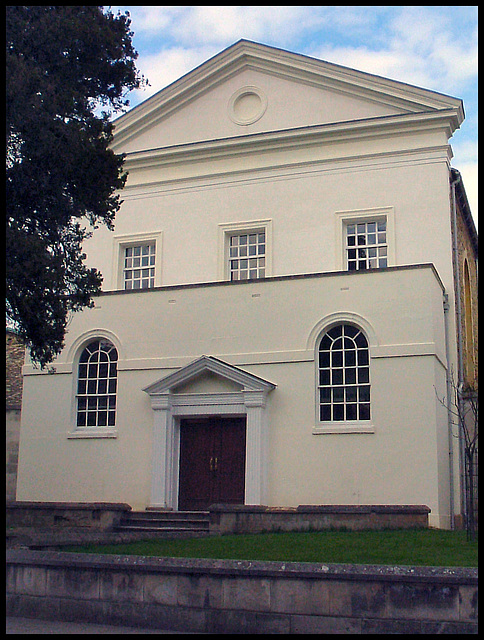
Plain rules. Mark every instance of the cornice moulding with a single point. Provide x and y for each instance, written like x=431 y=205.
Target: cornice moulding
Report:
x=445 y=120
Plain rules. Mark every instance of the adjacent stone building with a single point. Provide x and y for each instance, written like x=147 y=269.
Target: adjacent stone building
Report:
x=15 y=355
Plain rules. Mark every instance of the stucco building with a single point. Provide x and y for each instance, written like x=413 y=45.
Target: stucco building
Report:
x=278 y=317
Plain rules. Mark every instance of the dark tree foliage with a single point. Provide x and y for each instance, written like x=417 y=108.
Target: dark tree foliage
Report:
x=68 y=70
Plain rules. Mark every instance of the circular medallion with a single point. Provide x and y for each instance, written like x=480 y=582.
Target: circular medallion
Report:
x=247 y=105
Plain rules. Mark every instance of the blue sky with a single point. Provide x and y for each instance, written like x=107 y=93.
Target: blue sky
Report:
x=434 y=47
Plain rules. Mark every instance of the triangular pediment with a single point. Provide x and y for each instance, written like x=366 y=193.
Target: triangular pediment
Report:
x=251 y=88
x=206 y=368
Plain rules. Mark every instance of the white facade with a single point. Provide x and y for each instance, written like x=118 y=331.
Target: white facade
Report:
x=261 y=141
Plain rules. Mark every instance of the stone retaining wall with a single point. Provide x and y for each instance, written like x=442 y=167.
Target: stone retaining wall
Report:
x=227 y=596
x=94 y=516
x=254 y=518
x=224 y=519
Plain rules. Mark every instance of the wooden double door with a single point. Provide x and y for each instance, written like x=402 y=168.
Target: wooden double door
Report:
x=212 y=462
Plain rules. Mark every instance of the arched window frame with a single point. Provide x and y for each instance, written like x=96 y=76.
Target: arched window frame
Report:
x=349 y=421
x=95 y=389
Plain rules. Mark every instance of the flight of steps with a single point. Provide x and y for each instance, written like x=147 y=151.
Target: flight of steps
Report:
x=166 y=523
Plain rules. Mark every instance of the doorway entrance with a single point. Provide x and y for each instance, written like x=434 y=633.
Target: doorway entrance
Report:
x=212 y=462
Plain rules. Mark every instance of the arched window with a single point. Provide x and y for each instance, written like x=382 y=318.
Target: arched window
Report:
x=96 y=385
x=344 y=375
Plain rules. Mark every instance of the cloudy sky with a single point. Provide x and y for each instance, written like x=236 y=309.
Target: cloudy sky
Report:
x=434 y=47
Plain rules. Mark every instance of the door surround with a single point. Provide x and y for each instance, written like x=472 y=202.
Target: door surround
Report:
x=248 y=399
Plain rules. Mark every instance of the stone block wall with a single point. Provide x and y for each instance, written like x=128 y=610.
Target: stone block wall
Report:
x=15 y=355
x=225 y=519
x=58 y=516
x=228 y=596
x=468 y=276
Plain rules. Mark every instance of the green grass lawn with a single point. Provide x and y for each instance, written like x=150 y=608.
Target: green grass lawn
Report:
x=429 y=547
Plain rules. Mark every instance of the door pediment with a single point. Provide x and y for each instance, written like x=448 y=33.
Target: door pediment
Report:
x=208 y=374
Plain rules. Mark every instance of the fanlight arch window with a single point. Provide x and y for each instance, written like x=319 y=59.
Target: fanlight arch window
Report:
x=344 y=375
x=97 y=385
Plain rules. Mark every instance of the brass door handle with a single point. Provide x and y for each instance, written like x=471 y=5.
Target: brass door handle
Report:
x=213 y=464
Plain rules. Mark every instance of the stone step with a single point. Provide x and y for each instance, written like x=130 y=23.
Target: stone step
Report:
x=161 y=524
x=172 y=522
x=129 y=527
x=170 y=515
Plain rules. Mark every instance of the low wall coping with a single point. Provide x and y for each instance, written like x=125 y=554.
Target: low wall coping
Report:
x=107 y=506
x=325 y=508
x=245 y=568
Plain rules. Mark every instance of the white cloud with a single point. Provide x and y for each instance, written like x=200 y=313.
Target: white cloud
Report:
x=152 y=20
x=431 y=46
x=387 y=63
x=183 y=37
x=420 y=47
x=201 y=25
x=169 y=65
x=222 y=24
x=448 y=58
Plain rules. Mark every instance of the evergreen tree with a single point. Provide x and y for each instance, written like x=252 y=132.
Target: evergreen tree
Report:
x=68 y=70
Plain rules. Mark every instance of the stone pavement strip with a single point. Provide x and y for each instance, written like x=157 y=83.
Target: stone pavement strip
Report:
x=31 y=625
